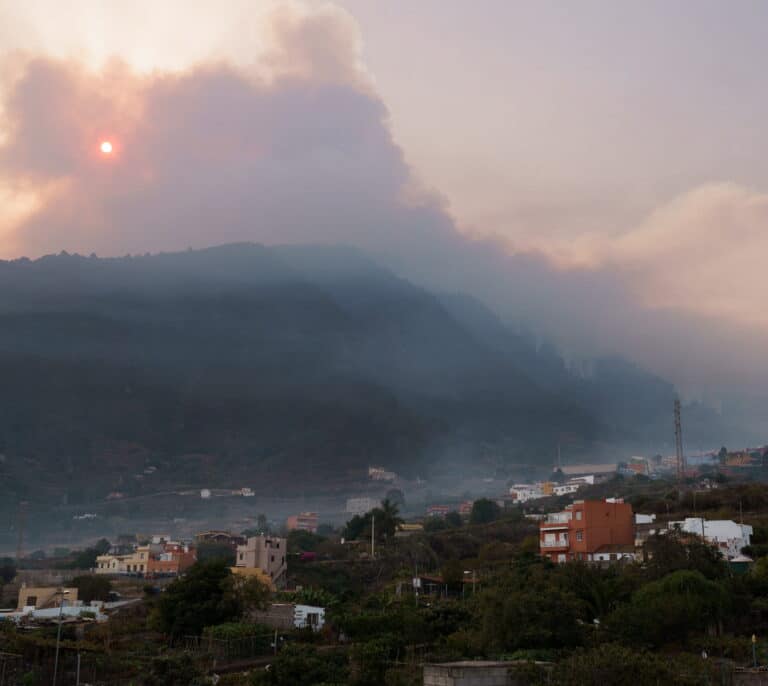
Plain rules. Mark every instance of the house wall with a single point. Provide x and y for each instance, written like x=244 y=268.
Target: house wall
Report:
x=466 y=675
x=308 y=616
x=277 y=616
x=601 y=523
x=137 y=562
x=585 y=527
x=44 y=596
x=267 y=553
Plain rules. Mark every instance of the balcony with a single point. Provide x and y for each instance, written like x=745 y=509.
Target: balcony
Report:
x=559 y=517
x=557 y=543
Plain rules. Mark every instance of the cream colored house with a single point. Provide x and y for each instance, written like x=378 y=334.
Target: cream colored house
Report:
x=266 y=553
x=41 y=597
x=136 y=562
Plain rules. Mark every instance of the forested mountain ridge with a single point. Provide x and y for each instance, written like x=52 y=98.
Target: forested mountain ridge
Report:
x=278 y=358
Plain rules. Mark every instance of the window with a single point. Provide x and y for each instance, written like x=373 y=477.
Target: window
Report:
x=578 y=514
x=32 y=600
x=241 y=556
x=579 y=535
x=273 y=558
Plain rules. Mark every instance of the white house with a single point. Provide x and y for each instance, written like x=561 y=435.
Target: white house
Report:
x=523 y=492
x=308 y=616
x=565 y=489
x=644 y=518
x=728 y=536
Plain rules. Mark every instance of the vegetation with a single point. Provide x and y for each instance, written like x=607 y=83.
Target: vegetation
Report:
x=92 y=587
x=381 y=521
x=207 y=595
x=86 y=559
x=680 y=615
x=484 y=511
x=216 y=551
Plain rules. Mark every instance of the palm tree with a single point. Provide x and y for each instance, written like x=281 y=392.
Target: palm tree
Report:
x=387 y=518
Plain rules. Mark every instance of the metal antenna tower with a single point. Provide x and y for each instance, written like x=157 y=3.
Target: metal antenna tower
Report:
x=21 y=523
x=681 y=466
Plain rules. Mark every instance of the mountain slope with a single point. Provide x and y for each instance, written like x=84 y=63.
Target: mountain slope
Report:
x=269 y=361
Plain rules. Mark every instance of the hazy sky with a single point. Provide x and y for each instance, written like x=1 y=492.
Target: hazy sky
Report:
x=613 y=155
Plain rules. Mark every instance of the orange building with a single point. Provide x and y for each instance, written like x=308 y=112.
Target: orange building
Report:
x=582 y=529
x=175 y=559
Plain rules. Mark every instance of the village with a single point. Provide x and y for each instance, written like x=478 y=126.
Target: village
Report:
x=612 y=518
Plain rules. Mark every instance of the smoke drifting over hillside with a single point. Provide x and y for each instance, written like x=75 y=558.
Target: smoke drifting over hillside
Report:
x=296 y=147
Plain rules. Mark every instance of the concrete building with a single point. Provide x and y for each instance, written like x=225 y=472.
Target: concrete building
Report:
x=162 y=559
x=216 y=536
x=579 y=531
x=45 y=597
x=304 y=521
x=359 y=506
x=465 y=508
x=615 y=552
x=109 y=564
x=287 y=616
x=266 y=553
x=727 y=536
x=566 y=488
x=522 y=493
x=133 y=563
x=475 y=673
x=408 y=529
x=596 y=470
x=380 y=474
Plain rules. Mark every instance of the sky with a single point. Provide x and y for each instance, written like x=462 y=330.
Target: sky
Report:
x=596 y=171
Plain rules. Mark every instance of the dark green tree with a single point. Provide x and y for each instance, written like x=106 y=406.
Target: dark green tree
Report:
x=208 y=594
x=453 y=519
x=174 y=670
x=614 y=665
x=303 y=665
x=7 y=570
x=671 y=552
x=92 y=587
x=86 y=559
x=216 y=551
x=484 y=511
x=722 y=455
x=453 y=574
x=529 y=618
x=677 y=605
x=384 y=519
x=303 y=541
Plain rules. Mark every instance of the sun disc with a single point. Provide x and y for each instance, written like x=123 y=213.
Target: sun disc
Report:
x=106 y=147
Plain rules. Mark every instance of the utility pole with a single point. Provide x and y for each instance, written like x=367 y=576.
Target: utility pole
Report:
x=373 y=535
x=61 y=593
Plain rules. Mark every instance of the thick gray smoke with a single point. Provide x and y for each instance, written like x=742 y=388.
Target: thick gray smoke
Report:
x=304 y=153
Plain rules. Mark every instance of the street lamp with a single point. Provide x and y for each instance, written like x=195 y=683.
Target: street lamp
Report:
x=62 y=592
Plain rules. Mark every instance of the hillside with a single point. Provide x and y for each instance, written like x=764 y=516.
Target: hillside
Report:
x=264 y=361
